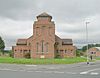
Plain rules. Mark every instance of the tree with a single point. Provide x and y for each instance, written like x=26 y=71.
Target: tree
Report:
x=79 y=52
x=84 y=48
x=2 y=45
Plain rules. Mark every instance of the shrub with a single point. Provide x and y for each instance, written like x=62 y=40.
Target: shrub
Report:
x=27 y=55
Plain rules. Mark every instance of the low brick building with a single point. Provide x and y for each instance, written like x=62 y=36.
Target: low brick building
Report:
x=44 y=43
x=94 y=51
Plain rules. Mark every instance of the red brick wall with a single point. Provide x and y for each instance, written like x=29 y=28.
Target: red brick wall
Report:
x=43 y=31
x=95 y=51
x=19 y=51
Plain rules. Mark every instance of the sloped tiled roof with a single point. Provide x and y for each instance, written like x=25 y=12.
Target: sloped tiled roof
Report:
x=22 y=41
x=67 y=41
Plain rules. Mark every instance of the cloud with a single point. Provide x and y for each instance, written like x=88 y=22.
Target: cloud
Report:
x=11 y=30
x=69 y=10
x=17 y=9
x=17 y=17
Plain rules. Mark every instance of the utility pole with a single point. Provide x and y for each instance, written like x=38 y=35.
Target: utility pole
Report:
x=87 y=41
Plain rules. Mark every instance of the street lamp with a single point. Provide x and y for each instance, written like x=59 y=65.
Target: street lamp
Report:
x=87 y=41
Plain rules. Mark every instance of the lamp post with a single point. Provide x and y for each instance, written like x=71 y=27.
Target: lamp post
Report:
x=87 y=41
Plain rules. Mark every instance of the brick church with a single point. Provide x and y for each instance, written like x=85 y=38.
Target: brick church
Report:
x=44 y=43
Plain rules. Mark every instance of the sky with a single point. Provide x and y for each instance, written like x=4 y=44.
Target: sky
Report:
x=70 y=17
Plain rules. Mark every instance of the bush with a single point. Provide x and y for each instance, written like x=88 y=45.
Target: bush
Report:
x=27 y=55
x=79 y=53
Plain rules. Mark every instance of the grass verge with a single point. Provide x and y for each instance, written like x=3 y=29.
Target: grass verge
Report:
x=42 y=61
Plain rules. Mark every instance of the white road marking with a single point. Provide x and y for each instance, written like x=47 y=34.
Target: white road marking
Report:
x=83 y=72
x=59 y=72
x=86 y=72
x=94 y=73
x=56 y=72
x=8 y=70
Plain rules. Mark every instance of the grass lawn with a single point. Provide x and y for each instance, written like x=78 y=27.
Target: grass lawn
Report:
x=42 y=61
x=97 y=58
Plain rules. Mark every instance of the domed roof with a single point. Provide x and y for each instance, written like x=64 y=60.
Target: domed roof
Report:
x=44 y=14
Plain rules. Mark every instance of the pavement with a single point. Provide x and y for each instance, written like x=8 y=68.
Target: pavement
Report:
x=79 y=70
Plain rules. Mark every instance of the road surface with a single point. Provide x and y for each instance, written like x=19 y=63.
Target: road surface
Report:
x=80 y=70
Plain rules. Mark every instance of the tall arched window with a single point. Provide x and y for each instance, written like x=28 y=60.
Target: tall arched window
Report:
x=37 y=47
x=47 y=47
x=42 y=46
x=37 y=31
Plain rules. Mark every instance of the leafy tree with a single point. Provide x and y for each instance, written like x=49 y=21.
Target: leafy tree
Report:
x=97 y=45
x=2 y=45
x=79 y=52
x=84 y=48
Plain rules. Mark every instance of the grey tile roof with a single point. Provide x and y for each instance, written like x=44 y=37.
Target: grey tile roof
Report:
x=64 y=41
x=22 y=41
x=67 y=41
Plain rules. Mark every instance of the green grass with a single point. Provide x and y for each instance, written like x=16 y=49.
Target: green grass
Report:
x=97 y=58
x=42 y=61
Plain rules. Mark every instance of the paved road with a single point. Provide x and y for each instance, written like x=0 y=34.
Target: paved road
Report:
x=80 y=70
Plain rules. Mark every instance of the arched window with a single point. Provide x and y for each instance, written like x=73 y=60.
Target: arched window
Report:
x=42 y=46
x=46 y=47
x=37 y=47
x=37 y=31
x=65 y=51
